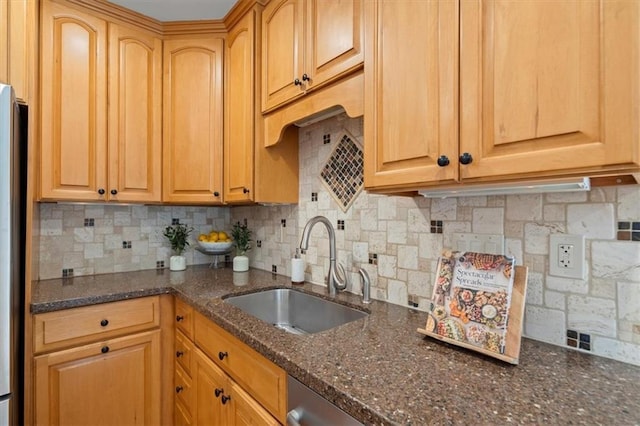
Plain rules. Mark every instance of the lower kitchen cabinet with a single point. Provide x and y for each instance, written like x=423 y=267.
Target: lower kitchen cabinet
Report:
x=101 y=364
x=229 y=383
x=102 y=383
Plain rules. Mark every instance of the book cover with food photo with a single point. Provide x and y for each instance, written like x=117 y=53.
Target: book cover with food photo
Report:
x=471 y=298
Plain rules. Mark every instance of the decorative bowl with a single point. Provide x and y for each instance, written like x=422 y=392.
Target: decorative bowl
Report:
x=215 y=247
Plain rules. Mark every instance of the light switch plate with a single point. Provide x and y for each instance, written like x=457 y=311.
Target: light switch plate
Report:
x=480 y=243
x=566 y=256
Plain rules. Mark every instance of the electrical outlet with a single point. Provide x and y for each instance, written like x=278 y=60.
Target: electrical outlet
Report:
x=566 y=256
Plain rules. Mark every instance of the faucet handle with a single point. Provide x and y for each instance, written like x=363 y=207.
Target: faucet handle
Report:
x=342 y=279
x=366 y=286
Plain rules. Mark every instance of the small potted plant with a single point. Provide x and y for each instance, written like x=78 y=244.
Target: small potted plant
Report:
x=178 y=235
x=242 y=240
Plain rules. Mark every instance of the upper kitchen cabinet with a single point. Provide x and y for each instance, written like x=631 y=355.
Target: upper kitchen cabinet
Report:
x=73 y=85
x=252 y=173
x=18 y=46
x=306 y=44
x=81 y=57
x=135 y=115
x=411 y=92
x=546 y=89
x=192 y=111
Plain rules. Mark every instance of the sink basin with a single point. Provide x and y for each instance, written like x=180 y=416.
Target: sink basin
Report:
x=294 y=311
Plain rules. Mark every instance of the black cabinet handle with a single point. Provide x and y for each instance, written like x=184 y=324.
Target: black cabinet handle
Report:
x=245 y=190
x=104 y=349
x=114 y=191
x=178 y=389
x=101 y=191
x=443 y=161
x=225 y=399
x=104 y=322
x=466 y=158
x=216 y=194
x=305 y=77
x=179 y=354
x=218 y=392
x=179 y=318
x=297 y=82
x=222 y=355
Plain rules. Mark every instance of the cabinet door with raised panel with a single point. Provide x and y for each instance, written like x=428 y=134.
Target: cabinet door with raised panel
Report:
x=410 y=93
x=212 y=387
x=245 y=411
x=73 y=106
x=135 y=115
x=192 y=128
x=106 y=383
x=548 y=87
x=240 y=103
x=334 y=40
x=282 y=52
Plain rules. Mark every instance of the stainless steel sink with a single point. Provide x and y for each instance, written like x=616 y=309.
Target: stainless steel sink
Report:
x=294 y=311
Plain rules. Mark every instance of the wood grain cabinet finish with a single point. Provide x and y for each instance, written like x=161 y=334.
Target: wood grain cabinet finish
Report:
x=306 y=44
x=99 y=364
x=81 y=158
x=18 y=21
x=544 y=88
x=192 y=111
x=252 y=172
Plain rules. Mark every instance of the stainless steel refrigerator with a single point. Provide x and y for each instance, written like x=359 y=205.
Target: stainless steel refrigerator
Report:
x=13 y=157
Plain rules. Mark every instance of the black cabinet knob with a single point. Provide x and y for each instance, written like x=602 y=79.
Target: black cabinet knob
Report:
x=216 y=194
x=305 y=77
x=466 y=158
x=178 y=389
x=443 y=160
x=114 y=191
x=222 y=355
x=218 y=392
x=101 y=191
x=104 y=322
x=179 y=318
x=104 y=349
x=245 y=190
x=179 y=354
x=297 y=82
x=225 y=399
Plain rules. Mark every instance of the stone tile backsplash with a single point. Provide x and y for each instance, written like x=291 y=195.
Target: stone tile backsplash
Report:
x=397 y=240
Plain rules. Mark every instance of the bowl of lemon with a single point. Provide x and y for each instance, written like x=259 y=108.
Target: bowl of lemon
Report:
x=215 y=242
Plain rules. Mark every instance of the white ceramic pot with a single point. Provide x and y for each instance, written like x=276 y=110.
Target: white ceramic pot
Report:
x=240 y=263
x=178 y=263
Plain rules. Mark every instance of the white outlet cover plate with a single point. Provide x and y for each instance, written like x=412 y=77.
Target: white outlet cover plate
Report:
x=577 y=270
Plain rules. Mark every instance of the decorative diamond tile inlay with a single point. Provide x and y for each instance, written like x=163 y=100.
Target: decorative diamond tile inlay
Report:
x=343 y=174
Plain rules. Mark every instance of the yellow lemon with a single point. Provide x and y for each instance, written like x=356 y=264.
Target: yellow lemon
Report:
x=203 y=237
x=213 y=237
x=222 y=236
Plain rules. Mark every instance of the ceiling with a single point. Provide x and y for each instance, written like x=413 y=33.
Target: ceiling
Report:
x=179 y=10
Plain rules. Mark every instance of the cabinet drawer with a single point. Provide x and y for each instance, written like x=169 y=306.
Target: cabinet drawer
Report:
x=184 y=318
x=262 y=379
x=183 y=389
x=60 y=329
x=184 y=352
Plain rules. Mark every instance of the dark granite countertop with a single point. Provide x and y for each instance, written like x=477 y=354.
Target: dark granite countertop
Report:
x=379 y=369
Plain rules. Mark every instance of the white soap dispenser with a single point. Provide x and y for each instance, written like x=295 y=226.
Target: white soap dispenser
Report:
x=297 y=269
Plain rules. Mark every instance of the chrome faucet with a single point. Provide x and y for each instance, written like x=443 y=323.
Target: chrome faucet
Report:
x=338 y=279
x=366 y=286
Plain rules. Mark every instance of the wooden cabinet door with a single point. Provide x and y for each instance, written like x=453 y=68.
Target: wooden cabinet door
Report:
x=73 y=113
x=18 y=22
x=192 y=128
x=212 y=385
x=107 y=383
x=282 y=51
x=548 y=87
x=240 y=103
x=245 y=411
x=411 y=92
x=135 y=115
x=334 y=39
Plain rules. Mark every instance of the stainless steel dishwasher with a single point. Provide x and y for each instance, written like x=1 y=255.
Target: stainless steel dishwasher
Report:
x=307 y=408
